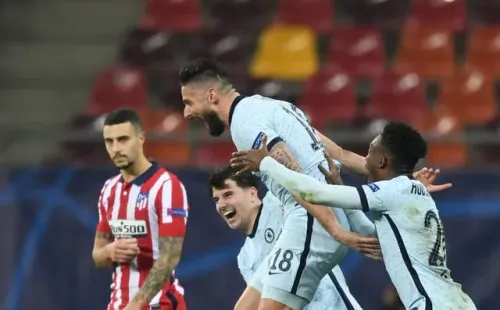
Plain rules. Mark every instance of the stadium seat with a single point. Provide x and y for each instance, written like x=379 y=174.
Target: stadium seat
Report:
x=444 y=14
x=234 y=14
x=444 y=154
x=317 y=14
x=470 y=97
x=285 y=52
x=397 y=96
x=428 y=52
x=118 y=87
x=483 y=52
x=214 y=153
x=231 y=49
x=329 y=96
x=175 y=151
x=357 y=50
x=146 y=49
x=388 y=14
x=173 y=15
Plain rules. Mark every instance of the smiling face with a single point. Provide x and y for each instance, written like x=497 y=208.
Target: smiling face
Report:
x=236 y=205
x=202 y=101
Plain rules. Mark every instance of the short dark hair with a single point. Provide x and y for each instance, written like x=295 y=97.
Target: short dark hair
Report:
x=120 y=116
x=244 y=180
x=405 y=144
x=202 y=69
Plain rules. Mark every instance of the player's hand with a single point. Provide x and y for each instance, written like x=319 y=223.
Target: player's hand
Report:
x=250 y=160
x=133 y=305
x=124 y=250
x=332 y=176
x=368 y=246
x=427 y=176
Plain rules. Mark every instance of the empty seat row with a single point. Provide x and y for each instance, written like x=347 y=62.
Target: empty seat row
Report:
x=187 y=15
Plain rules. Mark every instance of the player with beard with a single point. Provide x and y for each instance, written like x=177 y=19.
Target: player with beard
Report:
x=208 y=94
x=142 y=222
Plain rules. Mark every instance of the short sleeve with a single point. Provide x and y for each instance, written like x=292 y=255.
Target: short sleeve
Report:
x=372 y=196
x=172 y=208
x=250 y=125
x=102 y=225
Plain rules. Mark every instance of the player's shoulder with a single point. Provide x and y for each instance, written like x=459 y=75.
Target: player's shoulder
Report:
x=393 y=185
x=256 y=106
x=110 y=182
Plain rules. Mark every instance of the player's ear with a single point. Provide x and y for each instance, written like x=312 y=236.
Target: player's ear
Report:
x=213 y=96
x=382 y=162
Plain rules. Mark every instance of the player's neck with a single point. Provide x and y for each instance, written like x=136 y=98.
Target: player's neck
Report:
x=253 y=220
x=140 y=166
x=227 y=103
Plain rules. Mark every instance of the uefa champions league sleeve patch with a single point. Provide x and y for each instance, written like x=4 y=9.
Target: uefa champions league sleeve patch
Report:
x=373 y=187
x=177 y=212
x=258 y=140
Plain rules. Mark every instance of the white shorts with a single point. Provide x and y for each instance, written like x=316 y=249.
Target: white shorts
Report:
x=303 y=255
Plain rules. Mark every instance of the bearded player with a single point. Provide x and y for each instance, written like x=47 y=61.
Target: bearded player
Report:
x=142 y=222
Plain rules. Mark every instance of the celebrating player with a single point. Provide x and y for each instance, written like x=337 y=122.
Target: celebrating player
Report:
x=142 y=222
x=236 y=199
x=408 y=224
x=207 y=94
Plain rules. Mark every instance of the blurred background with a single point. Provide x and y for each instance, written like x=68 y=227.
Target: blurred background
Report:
x=350 y=65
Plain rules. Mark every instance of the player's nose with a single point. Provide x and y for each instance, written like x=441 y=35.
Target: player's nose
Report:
x=187 y=112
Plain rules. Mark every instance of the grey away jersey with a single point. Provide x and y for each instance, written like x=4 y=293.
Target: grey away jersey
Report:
x=254 y=116
x=413 y=244
x=332 y=292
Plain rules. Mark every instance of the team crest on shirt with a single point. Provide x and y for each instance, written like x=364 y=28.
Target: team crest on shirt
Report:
x=373 y=187
x=142 y=201
x=269 y=235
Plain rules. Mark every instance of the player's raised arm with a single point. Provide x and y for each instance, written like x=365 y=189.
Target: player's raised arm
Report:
x=172 y=211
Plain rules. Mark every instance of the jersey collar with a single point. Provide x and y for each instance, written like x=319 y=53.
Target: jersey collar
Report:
x=233 y=106
x=145 y=176
x=256 y=223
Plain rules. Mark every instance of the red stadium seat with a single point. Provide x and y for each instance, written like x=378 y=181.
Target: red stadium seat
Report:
x=444 y=14
x=170 y=153
x=317 y=14
x=445 y=154
x=428 y=52
x=329 y=96
x=483 y=52
x=174 y=15
x=358 y=51
x=147 y=49
x=469 y=96
x=214 y=153
x=397 y=97
x=118 y=87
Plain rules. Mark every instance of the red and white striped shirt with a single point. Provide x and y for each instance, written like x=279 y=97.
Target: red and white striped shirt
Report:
x=152 y=206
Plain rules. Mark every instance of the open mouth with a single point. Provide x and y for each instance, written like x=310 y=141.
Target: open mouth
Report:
x=229 y=214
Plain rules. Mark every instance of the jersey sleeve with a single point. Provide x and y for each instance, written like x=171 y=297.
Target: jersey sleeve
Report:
x=250 y=127
x=372 y=196
x=102 y=225
x=172 y=209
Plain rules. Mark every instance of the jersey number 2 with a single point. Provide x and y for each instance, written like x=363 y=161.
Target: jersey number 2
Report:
x=316 y=144
x=438 y=253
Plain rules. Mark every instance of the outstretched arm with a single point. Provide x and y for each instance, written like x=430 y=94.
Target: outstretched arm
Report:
x=310 y=189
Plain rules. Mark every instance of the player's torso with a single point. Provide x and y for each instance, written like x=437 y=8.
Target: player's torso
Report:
x=291 y=125
x=268 y=228
x=413 y=244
